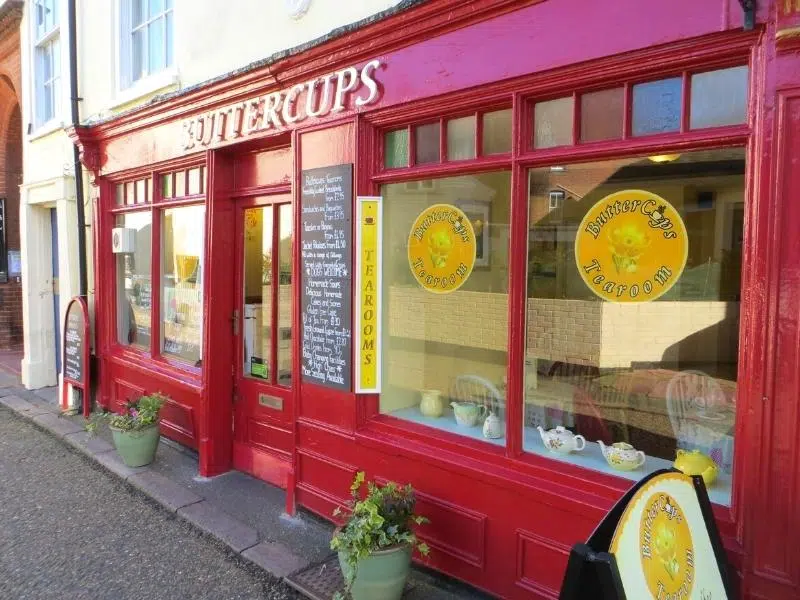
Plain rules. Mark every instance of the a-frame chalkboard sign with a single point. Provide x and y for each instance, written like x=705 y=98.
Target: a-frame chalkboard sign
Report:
x=75 y=361
x=659 y=541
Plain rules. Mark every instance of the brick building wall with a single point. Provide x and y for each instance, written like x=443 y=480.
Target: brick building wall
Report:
x=11 y=334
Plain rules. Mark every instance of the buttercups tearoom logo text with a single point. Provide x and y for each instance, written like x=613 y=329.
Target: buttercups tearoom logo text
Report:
x=631 y=246
x=441 y=248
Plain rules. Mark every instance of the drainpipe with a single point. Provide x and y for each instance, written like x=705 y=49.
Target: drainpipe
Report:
x=83 y=287
x=74 y=100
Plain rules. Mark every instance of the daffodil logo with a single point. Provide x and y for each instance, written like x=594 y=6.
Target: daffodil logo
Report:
x=441 y=248
x=631 y=246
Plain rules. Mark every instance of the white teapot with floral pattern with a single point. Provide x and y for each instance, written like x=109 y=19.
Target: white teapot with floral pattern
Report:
x=562 y=440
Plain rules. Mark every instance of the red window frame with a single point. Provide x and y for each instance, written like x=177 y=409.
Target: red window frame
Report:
x=155 y=204
x=644 y=66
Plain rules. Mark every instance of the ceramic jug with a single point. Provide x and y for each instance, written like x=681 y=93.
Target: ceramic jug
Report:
x=467 y=413
x=431 y=404
x=493 y=427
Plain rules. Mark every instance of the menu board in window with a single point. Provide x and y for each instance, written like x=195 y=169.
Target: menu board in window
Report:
x=325 y=237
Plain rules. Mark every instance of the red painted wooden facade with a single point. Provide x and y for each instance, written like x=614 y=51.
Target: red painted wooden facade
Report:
x=501 y=519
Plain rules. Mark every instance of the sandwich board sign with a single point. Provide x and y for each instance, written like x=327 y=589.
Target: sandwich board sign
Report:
x=659 y=541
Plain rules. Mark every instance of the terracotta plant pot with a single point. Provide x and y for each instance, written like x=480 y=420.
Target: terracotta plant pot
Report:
x=136 y=448
x=380 y=576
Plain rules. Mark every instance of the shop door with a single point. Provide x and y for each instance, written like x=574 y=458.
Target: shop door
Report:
x=263 y=373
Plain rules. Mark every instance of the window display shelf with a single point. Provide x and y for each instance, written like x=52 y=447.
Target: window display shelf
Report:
x=447 y=422
x=590 y=458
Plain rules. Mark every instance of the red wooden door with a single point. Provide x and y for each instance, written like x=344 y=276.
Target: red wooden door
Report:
x=263 y=369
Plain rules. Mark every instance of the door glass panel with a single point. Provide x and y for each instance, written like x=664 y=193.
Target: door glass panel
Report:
x=257 y=293
x=285 y=295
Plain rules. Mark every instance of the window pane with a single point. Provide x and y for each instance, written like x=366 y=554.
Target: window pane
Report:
x=396 y=149
x=166 y=185
x=169 y=40
x=129 y=197
x=657 y=106
x=624 y=343
x=285 y=295
x=182 y=238
x=257 y=313
x=138 y=12
x=141 y=191
x=134 y=288
x=441 y=348
x=553 y=123
x=461 y=138
x=119 y=196
x=156 y=49
x=427 y=143
x=138 y=54
x=497 y=132
x=194 y=181
x=719 y=98
x=601 y=115
x=180 y=184
x=156 y=7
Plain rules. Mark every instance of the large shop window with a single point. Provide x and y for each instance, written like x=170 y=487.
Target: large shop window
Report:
x=633 y=311
x=134 y=286
x=165 y=321
x=182 y=237
x=445 y=294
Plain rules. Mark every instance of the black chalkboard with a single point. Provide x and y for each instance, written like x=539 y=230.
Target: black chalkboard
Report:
x=326 y=250
x=74 y=344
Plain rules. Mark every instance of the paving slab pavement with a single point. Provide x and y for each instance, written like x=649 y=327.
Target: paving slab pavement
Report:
x=242 y=513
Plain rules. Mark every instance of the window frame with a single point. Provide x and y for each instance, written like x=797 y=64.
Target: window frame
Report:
x=521 y=96
x=127 y=87
x=45 y=45
x=155 y=204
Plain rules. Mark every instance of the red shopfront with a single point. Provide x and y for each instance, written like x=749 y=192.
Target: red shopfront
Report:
x=527 y=119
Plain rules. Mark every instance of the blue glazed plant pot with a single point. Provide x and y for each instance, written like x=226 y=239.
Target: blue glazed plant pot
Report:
x=380 y=576
x=136 y=448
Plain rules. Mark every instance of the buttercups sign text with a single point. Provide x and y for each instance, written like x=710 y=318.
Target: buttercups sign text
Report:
x=318 y=97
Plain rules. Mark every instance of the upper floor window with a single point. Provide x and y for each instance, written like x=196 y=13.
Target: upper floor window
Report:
x=146 y=39
x=47 y=60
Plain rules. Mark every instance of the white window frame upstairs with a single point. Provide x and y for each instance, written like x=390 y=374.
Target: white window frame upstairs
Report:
x=46 y=49
x=131 y=85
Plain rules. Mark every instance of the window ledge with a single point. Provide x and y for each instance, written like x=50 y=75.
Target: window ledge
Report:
x=145 y=87
x=46 y=129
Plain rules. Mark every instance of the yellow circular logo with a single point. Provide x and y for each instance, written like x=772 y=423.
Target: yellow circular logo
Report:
x=441 y=248
x=665 y=547
x=631 y=246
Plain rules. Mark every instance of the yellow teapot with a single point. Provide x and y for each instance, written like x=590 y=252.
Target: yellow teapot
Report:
x=697 y=463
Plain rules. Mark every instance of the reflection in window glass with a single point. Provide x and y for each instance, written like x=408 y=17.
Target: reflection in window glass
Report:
x=285 y=294
x=443 y=348
x=427 y=143
x=258 y=278
x=396 y=148
x=657 y=106
x=134 y=287
x=602 y=115
x=497 y=132
x=719 y=98
x=553 y=123
x=182 y=238
x=659 y=375
x=461 y=138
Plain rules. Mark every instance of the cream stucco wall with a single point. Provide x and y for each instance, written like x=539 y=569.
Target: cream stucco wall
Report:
x=212 y=38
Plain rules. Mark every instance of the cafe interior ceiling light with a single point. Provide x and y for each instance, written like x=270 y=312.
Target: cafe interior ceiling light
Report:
x=664 y=158
x=557 y=169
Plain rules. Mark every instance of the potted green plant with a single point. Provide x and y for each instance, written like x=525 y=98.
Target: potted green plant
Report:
x=135 y=430
x=377 y=539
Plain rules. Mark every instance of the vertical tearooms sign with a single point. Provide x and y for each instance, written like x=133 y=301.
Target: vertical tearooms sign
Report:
x=369 y=220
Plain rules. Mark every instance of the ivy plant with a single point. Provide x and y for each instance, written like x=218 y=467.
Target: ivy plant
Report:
x=383 y=519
